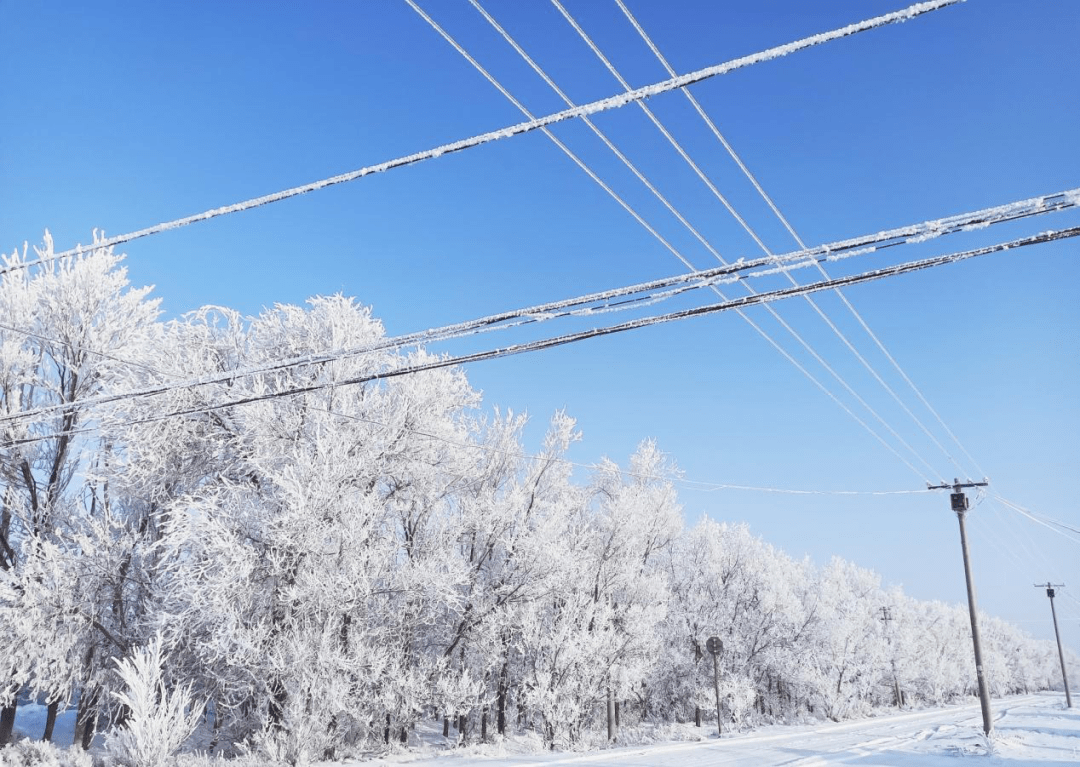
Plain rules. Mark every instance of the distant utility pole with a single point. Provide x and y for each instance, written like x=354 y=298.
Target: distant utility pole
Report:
x=1061 y=656
x=715 y=646
x=959 y=504
x=886 y=617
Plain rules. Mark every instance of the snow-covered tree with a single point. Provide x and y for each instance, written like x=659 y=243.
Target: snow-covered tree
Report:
x=75 y=325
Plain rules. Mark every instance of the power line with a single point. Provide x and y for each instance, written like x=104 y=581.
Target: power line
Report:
x=612 y=102
x=588 y=305
x=787 y=225
x=761 y=244
x=552 y=310
x=1042 y=516
x=834 y=251
x=547 y=343
x=843 y=249
x=1009 y=543
x=682 y=482
x=460 y=49
x=1025 y=512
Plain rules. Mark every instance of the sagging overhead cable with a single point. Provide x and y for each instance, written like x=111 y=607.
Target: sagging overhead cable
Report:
x=547 y=343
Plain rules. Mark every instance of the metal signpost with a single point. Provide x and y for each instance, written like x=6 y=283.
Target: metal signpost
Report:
x=715 y=646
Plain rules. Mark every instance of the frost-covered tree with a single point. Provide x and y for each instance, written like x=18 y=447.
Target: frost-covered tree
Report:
x=305 y=564
x=74 y=324
x=845 y=654
x=730 y=584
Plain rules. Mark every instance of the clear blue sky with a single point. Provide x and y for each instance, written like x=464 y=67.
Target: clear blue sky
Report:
x=120 y=115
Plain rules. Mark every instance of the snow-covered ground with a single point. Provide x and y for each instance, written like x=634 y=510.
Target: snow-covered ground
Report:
x=1028 y=730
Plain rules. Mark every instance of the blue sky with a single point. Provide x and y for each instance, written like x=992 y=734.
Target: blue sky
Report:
x=121 y=115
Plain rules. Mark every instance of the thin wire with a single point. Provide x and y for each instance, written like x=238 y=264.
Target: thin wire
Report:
x=1033 y=562
x=600 y=105
x=787 y=225
x=1027 y=546
x=450 y=361
x=1044 y=517
x=749 y=230
x=1035 y=519
x=682 y=219
x=994 y=538
x=73 y=347
x=997 y=539
x=685 y=484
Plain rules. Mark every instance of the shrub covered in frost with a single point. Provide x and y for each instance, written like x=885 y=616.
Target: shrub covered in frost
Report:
x=159 y=720
x=30 y=753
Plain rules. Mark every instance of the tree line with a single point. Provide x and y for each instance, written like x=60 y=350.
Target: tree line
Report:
x=323 y=570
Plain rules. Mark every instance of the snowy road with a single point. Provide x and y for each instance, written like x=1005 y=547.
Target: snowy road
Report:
x=1034 y=730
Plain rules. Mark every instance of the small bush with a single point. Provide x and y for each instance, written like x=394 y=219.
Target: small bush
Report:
x=159 y=721
x=31 y=753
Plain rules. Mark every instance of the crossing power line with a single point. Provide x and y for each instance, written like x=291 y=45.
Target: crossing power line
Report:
x=532 y=346
x=711 y=186
x=600 y=105
x=799 y=241
x=740 y=270
x=799 y=338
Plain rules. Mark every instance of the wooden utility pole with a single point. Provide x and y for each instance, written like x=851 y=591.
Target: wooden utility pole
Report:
x=1061 y=656
x=959 y=504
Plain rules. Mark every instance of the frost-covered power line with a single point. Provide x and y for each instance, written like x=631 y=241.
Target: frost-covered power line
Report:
x=600 y=105
x=680 y=217
x=852 y=247
x=711 y=186
x=1039 y=519
x=795 y=235
x=547 y=343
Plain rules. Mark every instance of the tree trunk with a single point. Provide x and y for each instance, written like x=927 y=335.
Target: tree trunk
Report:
x=278 y=697
x=483 y=725
x=500 y=696
x=697 y=716
x=610 y=716
x=85 y=719
x=50 y=720
x=7 y=723
x=446 y=726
